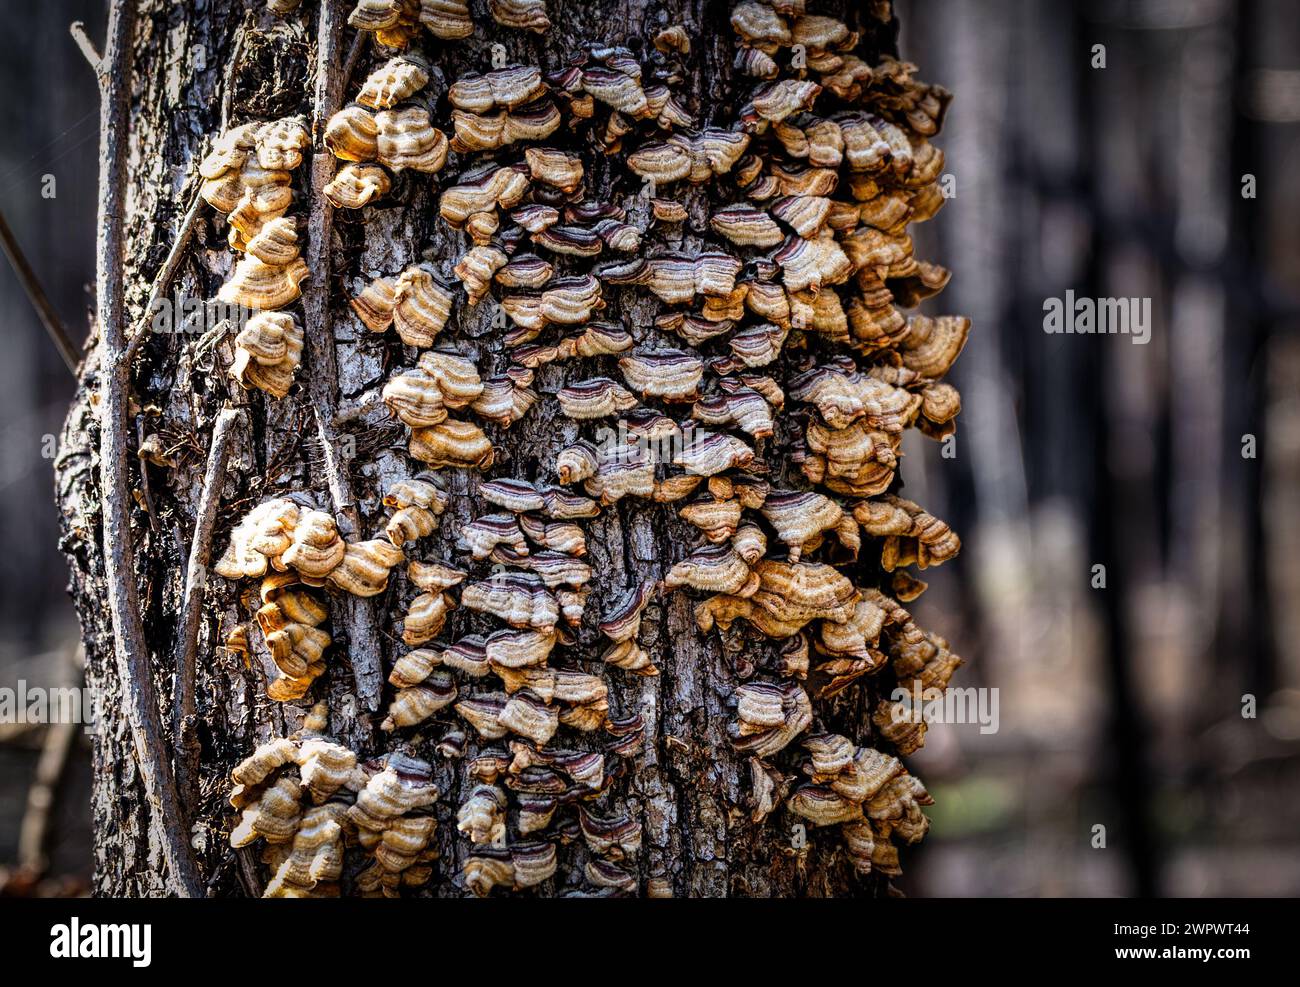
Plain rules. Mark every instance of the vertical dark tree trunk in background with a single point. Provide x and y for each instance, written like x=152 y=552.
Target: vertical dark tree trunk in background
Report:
x=1247 y=622
x=1120 y=493
x=688 y=787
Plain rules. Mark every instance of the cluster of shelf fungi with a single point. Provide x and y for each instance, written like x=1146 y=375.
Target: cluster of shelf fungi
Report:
x=791 y=324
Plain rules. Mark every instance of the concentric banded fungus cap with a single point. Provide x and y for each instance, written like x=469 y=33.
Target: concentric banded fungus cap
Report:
x=525 y=15
x=520 y=599
x=598 y=397
x=769 y=716
x=673 y=375
x=394 y=81
x=714 y=569
x=452 y=443
x=623 y=619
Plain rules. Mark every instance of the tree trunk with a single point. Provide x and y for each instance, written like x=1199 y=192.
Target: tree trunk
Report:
x=689 y=789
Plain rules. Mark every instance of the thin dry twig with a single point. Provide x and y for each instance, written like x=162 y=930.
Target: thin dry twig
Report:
x=79 y=35
x=354 y=56
x=162 y=283
x=248 y=872
x=54 y=326
x=130 y=646
x=228 y=96
x=33 y=836
x=322 y=370
x=184 y=718
x=146 y=488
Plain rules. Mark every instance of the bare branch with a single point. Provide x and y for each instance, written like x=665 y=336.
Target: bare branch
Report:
x=33 y=835
x=162 y=283
x=145 y=486
x=132 y=652
x=228 y=94
x=322 y=368
x=248 y=872
x=184 y=720
x=54 y=326
x=79 y=35
x=354 y=55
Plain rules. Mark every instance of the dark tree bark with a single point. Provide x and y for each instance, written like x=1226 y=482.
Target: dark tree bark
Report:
x=687 y=786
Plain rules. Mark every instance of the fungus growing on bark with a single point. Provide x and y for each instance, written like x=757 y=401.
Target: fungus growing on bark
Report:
x=268 y=351
x=716 y=517
x=406 y=138
x=452 y=443
x=352 y=134
x=769 y=715
x=415 y=704
x=264 y=532
x=710 y=453
x=506 y=398
x=411 y=520
x=482 y=816
x=365 y=567
x=622 y=620
x=526 y=15
x=563 y=301
x=518 y=866
x=482 y=535
x=564 y=537
x=425 y=617
x=671 y=375
x=391 y=820
x=357 y=185
x=289 y=619
x=394 y=81
x=910 y=535
x=256 y=284
x=395 y=23
x=800 y=519
x=714 y=569
x=598 y=397
x=866 y=792
x=520 y=599
x=286 y=793
x=317 y=547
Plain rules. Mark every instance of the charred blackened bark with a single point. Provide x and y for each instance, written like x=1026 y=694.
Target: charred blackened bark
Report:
x=699 y=800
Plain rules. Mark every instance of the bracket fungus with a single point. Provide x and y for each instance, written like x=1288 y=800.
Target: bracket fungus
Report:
x=394 y=81
x=268 y=351
x=392 y=823
x=292 y=795
x=526 y=15
x=520 y=599
x=290 y=619
x=357 y=185
x=395 y=23
x=598 y=397
x=867 y=793
x=911 y=536
x=452 y=443
x=670 y=375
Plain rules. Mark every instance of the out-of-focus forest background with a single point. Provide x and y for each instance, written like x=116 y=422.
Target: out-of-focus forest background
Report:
x=1118 y=707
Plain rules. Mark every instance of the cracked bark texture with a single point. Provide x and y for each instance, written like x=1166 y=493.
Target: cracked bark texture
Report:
x=687 y=786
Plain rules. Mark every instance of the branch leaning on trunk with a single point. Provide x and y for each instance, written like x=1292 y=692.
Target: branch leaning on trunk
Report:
x=130 y=646
x=322 y=369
